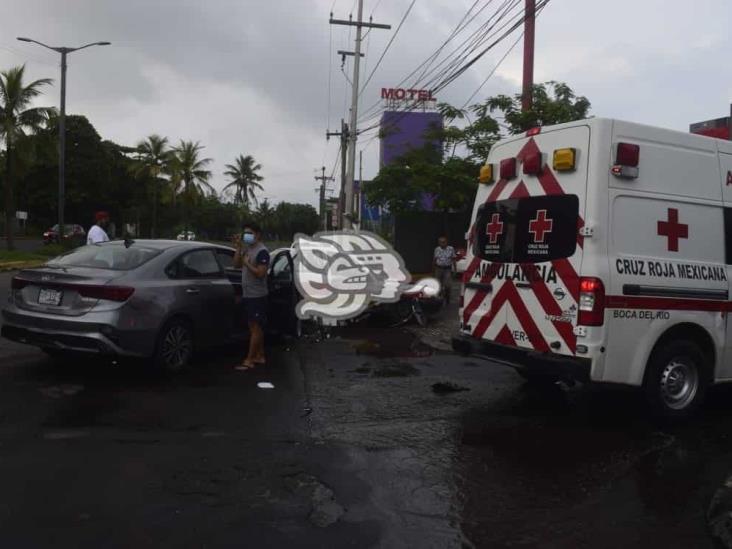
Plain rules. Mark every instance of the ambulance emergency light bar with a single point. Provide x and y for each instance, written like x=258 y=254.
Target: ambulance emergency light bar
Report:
x=508 y=168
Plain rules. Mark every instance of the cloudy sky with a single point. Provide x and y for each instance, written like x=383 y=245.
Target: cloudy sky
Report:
x=252 y=76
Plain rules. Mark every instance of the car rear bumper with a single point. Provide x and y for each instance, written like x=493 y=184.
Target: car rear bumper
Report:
x=564 y=367
x=76 y=335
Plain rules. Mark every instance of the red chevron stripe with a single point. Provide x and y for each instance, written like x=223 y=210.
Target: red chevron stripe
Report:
x=549 y=183
x=520 y=191
x=509 y=293
x=478 y=297
x=569 y=276
x=551 y=307
x=496 y=191
x=505 y=337
x=527 y=323
x=496 y=303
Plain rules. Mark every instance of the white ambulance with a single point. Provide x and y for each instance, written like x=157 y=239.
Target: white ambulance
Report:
x=597 y=252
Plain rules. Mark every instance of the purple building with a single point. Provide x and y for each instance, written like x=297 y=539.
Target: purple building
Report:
x=405 y=131
x=402 y=132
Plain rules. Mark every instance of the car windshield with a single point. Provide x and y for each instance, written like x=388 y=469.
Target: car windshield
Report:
x=114 y=256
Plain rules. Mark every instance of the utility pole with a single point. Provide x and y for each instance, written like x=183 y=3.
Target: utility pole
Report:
x=528 y=84
x=323 y=214
x=353 y=131
x=360 y=187
x=343 y=134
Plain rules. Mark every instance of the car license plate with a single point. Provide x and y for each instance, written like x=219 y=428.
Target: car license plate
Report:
x=50 y=297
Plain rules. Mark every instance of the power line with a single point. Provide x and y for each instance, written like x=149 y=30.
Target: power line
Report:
x=460 y=26
x=374 y=9
x=485 y=28
x=391 y=41
x=490 y=74
x=456 y=73
x=465 y=67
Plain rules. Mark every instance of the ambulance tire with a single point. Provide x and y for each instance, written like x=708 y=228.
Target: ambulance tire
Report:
x=676 y=379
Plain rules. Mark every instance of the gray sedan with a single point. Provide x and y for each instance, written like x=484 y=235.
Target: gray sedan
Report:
x=148 y=298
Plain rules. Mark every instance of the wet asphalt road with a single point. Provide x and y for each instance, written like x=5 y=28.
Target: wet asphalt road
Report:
x=352 y=448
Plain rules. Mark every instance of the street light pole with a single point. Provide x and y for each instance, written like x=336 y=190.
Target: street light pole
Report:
x=62 y=151
x=64 y=51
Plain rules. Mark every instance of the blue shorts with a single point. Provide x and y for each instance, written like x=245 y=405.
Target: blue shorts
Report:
x=255 y=309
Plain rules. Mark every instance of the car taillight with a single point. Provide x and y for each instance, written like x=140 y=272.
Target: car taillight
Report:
x=591 y=302
x=110 y=293
x=17 y=283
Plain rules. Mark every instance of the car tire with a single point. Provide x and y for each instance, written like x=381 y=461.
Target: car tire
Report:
x=175 y=346
x=676 y=379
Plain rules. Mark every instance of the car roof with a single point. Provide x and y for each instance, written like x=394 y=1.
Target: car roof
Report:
x=160 y=244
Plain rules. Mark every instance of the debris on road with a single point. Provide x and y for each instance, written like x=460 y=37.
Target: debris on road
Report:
x=444 y=387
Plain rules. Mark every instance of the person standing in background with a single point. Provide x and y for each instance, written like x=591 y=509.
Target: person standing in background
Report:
x=443 y=262
x=253 y=258
x=97 y=232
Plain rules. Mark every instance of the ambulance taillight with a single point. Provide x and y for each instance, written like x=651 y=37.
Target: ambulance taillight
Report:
x=627 y=157
x=591 y=302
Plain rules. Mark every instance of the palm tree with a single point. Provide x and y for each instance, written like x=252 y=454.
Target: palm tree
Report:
x=17 y=119
x=188 y=170
x=244 y=179
x=154 y=158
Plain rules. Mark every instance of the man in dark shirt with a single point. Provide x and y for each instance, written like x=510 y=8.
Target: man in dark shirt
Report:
x=253 y=259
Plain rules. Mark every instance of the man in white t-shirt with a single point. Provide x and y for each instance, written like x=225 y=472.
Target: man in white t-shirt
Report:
x=443 y=262
x=97 y=233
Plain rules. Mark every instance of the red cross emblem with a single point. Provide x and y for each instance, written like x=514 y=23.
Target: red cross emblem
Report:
x=494 y=229
x=673 y=230
x=540 y=226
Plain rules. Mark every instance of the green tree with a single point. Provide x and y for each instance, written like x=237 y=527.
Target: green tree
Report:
x=244 y=179
x=98 y=176
x=17 y=119
x=189 y=176
x=293 y=218
x=154 y=156
x=552 y=103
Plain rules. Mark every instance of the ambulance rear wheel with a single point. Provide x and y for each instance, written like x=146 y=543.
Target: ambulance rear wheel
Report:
x=676 y=379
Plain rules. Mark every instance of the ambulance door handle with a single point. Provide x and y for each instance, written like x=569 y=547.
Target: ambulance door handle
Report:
x=524 y=285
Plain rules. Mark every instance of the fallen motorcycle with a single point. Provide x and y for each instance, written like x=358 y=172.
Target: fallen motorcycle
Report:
x=418 y=302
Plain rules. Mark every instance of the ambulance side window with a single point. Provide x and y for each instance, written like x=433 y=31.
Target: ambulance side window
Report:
x=728 y=235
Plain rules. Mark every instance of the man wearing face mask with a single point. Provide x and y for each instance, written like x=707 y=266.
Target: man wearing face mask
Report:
x=253 y=258
x=97 y=232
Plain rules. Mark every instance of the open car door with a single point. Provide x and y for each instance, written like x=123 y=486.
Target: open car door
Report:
x=283 y=296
